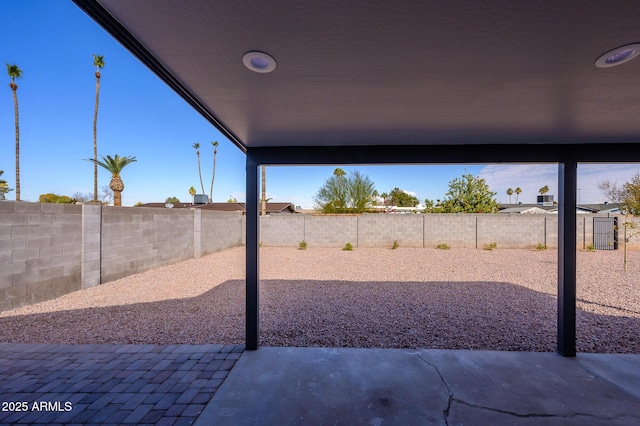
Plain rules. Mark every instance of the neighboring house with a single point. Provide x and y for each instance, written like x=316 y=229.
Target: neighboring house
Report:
x=395 y=209
x=613 y=208
x=538 y=208
x=272 y=208
x=524 y=209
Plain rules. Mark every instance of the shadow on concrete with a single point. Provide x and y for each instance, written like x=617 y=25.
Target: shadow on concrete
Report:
x=306 y=313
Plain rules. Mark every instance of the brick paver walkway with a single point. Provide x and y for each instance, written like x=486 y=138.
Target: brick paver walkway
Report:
x=110 y=384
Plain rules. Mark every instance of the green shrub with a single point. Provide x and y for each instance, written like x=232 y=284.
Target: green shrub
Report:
x=541 y=247
x=395 y=245
x=591 y=247
x=348 y=247
x=56 y=199
x=302 y=245
x=491 y=246
x=443 y=246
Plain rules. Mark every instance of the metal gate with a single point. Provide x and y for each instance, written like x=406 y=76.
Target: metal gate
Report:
x=605 y=233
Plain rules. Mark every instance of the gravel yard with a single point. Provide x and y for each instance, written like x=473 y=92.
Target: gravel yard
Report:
x=374 y=297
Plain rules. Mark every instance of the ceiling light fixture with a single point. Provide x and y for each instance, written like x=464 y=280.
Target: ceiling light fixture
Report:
x=618 y=56
x=259 y=62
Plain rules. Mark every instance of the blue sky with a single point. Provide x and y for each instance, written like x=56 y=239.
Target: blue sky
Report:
x=53 y=42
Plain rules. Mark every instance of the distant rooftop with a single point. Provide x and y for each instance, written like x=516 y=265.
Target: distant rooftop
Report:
x=272 y=208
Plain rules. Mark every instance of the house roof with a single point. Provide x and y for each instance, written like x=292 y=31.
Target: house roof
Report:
x=227 y=207
x=524 y=209
x=539 y=208
x=381 y=73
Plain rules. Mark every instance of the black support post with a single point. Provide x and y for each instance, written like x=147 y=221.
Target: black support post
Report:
x=567 y=187
x=252 y=254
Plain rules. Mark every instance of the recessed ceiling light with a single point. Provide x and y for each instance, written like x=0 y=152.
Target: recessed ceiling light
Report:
x=259 y=62
x=618 y=56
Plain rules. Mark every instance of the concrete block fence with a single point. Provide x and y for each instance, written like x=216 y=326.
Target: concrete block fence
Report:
x=47 y=250
x=40 y=252
x=426 y=230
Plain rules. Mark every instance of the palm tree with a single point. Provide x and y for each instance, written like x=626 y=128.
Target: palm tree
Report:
x=213 y=175
x=15 y=72
x=518 y=192
x=115 y=166
x=543 y=190
x=98 y=62
x=192 y=192
x=263 y=200
x=509 y=193
x=196 y=146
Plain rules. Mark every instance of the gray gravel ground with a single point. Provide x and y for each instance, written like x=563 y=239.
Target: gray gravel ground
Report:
x=374 y=297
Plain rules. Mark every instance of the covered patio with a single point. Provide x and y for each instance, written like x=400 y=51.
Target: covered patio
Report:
x=401 y=83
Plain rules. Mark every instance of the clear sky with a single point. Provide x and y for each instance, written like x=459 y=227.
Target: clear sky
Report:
x=53 y=42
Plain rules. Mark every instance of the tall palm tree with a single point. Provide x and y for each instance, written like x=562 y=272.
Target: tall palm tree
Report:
x=263 y=200
x=114 y=166
x=98 y=62
x=518 y=192
x=213 y=175
x=509 y=193
x=543 y=190
x=15 y=72
x=196 y=146
x=192 y=192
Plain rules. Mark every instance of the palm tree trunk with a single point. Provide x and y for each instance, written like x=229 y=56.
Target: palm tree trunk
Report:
x=213 y=175
x=95 y=140
x=263 y=203
x=117 y=186
x=200 y=172
x=14 y=88
x=117 y=198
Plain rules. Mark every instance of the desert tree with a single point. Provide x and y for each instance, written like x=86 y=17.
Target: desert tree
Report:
x=401 y=198
x=105 y=196
x=627 y=196
x=342 y=193
x=4 y=187
x=469 y=194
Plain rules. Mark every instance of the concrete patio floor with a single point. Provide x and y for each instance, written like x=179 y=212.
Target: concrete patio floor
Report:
x=315 y=386
x=225 y=385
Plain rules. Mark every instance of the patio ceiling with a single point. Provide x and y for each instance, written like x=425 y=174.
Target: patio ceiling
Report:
x=387 y=72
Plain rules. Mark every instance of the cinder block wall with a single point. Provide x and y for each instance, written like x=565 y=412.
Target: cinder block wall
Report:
x=427 y=230
x=455 y=230
x=47 y=250
x=329 y=231
x=135 y=240
x=381 y=230
x=286 y=230
x=220 y=230
x=511 y=231
x=40 y=252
